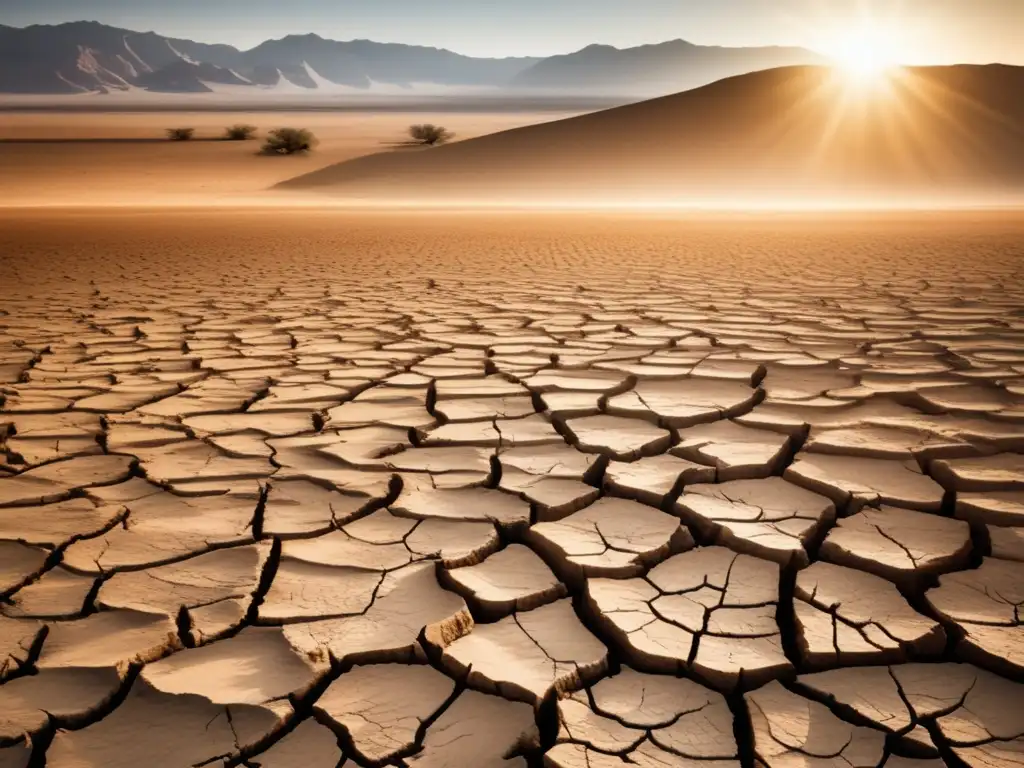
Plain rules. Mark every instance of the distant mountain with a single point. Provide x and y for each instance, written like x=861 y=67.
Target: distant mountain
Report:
x=185 y=76
x=795 y=134
x=88 y=56
x=359 y=63
x=655 y=69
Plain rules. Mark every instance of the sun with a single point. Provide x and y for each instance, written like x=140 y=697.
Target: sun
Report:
x=865 y=55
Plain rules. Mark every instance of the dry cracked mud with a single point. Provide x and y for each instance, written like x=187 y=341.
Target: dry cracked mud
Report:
x=569 y=514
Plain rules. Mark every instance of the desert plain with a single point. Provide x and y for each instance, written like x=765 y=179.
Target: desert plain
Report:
x=290 y=484
x=123 y=158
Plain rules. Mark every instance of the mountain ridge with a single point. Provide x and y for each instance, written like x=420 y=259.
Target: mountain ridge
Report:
x=88 y=56
x=662 y=67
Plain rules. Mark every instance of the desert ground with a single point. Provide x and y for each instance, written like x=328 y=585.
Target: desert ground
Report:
x=123 y=158
x=302 y=487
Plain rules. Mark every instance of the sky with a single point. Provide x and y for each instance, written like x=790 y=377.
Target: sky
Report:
x=909 y=31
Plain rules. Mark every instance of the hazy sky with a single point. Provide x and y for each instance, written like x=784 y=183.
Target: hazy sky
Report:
x=915 y=31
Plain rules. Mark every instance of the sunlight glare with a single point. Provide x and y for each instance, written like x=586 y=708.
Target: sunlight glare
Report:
x=865 y=56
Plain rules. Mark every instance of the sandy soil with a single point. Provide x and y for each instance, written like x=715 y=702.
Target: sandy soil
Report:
x=298 y=488
x=90 y=158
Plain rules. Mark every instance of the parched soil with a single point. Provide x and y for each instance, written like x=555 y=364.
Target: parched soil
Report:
x=309 y=488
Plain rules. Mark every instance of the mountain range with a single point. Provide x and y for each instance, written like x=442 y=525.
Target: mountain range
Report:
x=800 y=134
x=86 y=56
x=658 y=69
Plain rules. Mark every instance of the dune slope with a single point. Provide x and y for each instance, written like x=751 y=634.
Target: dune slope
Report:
x=792 y=133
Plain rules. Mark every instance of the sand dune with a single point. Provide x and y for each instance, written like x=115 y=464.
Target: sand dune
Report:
x=952 y=134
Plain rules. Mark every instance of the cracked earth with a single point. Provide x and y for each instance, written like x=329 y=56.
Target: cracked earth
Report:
x=604 y=502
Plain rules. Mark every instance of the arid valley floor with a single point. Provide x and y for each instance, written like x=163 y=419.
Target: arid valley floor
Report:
x=300 y=487
x=123 y=158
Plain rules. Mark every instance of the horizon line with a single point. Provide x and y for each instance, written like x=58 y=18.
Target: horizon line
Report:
x=652 y=44
x=820 y=51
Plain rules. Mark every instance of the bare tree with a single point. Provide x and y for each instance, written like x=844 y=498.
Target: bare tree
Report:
x=430 y=135
x=240 y=132
x=289 y=141
x=180 y=134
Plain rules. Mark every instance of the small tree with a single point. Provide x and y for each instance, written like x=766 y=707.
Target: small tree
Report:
x=430 y=135
x=240 y=132
x=180 y=134
x=288 y=141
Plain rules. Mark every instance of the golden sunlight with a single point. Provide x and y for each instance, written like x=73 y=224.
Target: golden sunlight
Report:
x=866 y=55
